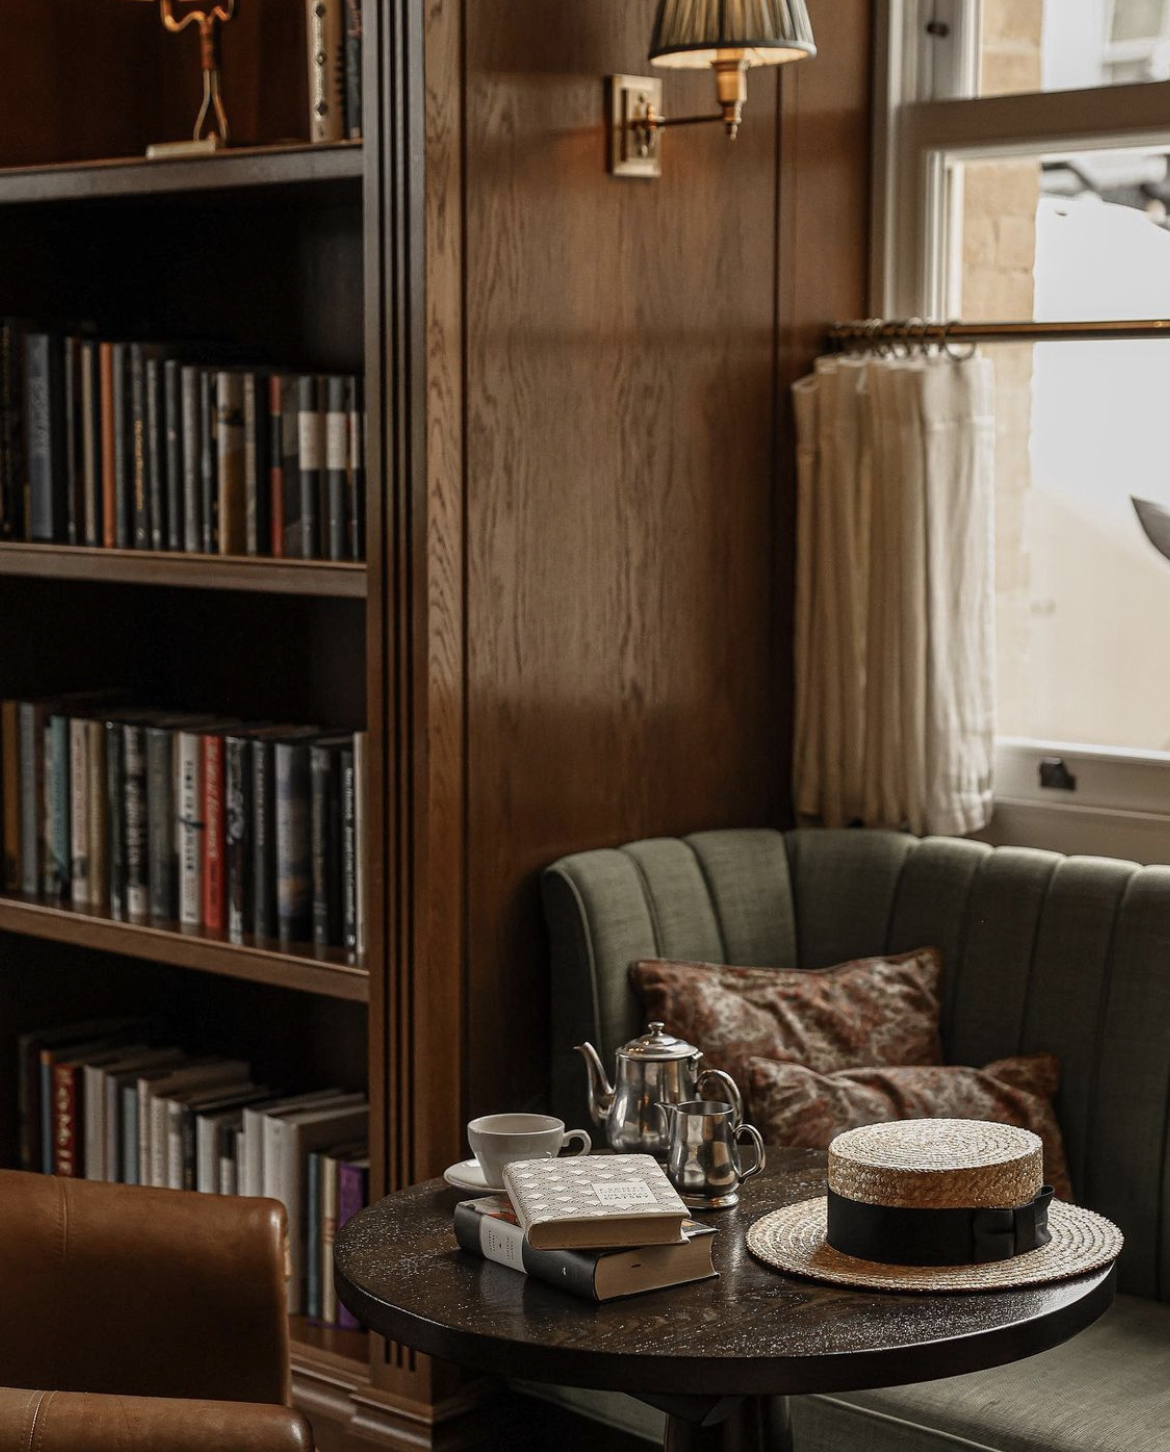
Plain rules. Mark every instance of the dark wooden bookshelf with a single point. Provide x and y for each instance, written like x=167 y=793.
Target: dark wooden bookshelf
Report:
x=323 y=1345
x=262 y=575
x=243 y=169
x=310 y=970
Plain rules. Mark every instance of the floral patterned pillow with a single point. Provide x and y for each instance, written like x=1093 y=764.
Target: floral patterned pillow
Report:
x=869 y=1011
x=795 y=1107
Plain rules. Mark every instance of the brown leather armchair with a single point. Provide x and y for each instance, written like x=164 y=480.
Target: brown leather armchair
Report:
x=138 y=1320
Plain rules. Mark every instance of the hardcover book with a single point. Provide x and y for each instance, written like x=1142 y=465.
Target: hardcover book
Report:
x=231 y=463
x=326 y=70
x=595 y=1202
x=488 y=1227
x=311 y=450
x=48 y=477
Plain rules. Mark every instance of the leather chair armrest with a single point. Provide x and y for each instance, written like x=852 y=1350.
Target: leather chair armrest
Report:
x=142 y=1292
x=37 y=1421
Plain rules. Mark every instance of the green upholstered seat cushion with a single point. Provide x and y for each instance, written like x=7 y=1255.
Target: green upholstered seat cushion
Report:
x=1106 y=1390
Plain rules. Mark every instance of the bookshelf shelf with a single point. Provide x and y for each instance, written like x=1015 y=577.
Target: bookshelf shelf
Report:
x=320 y=1347
x=321 y=578
x=327 y=974
x=246 y=169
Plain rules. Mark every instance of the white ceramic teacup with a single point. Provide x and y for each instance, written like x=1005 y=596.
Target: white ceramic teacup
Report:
x=499 y=1139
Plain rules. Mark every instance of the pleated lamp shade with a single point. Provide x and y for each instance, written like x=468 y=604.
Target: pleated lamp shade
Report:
x=697 y=33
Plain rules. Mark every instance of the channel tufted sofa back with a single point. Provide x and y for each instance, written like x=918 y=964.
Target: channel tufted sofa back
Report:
x=1067 y=954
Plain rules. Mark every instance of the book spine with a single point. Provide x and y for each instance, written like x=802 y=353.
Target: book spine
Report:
x=10 y=771
x=328 y=1221
x=353 y=69
x=324 y=834
x=231 y=463
x=137 y=830
x=337 y=466
x=313 y=1235
x=351 y=1197
x=208 y=463
x=74 y=471
x=173 y=406
x=257 y=440
x=123 y=451
x=229 y=1170
x=32 y=797
x=361 y=744
x=500 y=1241
x=96 y=803
x=79 y=813
x=91 y=440
x=93 y=1121
x=129 y=1121
x=263 y=841
x=57 y=799
x=213 y=834
x=349 y=936
x=48 y=481
x=294 y=880
x=66 y=1146
x=109 y=471
x=192 y=492
x=276 y=464
x=156 y=451
x=28 y=1102
x=118 y=811
x=294 y=529
x=356 y=469
x=311 y=450
x=238 y=835
x=326 y=70
x=13 y=472
x=189 y=826
x=160 y=828
x=139 y=458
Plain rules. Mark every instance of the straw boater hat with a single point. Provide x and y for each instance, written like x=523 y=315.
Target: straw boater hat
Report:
x=935 y=1205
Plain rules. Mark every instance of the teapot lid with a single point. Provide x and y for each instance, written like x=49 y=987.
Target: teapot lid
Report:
x=656 y=1043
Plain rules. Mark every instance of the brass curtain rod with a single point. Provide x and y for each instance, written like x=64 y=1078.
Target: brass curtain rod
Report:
x=917 y=332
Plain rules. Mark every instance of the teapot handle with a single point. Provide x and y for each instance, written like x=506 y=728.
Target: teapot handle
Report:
x=757 y=1141
x=729 y=1091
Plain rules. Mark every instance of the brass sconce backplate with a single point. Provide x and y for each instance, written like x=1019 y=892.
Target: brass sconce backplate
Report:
x=634 y=149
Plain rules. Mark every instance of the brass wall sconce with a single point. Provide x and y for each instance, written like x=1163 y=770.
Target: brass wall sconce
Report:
x=730 y=37
x=211 y=125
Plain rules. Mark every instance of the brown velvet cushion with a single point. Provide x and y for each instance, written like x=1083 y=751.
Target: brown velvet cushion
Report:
x=795 y=1107
x=870 y=1011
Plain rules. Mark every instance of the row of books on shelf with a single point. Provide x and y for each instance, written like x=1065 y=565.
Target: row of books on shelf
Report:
x=124 y=445
x=247 y=830
x=98 y=1101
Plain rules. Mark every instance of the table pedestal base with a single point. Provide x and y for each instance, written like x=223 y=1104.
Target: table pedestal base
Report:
x=734 y=1424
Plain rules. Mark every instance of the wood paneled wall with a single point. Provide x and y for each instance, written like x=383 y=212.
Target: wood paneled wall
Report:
x=619 y=424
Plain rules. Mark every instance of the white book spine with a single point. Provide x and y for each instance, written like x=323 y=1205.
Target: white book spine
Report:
x=326 y=70
x=174 y=1146
x=251 y=1153
x=158 y=1143
x=206 y=1168
x=113 y=1139
x=228 y=1175
x=144 y=1135
x=79 y=813
x=189 y=827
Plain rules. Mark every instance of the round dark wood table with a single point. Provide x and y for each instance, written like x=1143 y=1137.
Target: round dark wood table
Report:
x=720 y=1356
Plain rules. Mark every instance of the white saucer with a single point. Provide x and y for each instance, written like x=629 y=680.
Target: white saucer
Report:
x=468 y=1175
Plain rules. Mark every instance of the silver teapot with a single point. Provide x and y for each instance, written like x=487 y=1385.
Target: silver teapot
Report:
x=654 y=1069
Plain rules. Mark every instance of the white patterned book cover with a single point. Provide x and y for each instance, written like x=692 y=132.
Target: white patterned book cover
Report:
x=595 y=1201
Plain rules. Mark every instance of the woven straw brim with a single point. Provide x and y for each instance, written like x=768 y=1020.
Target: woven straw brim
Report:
x=792 y=1239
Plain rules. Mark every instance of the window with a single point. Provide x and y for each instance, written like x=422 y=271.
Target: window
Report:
x=1004 y=197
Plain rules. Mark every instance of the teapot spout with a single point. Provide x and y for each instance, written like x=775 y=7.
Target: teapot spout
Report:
x=600 y=1089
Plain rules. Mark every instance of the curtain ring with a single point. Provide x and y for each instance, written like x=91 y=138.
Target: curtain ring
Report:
x=946 y=345
x=905 y=337
x=921 y=342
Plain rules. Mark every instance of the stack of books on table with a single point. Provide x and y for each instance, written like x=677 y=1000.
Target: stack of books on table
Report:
x=224 y=826
x=99 y=1101
x=127 y=445
x=600 y=1227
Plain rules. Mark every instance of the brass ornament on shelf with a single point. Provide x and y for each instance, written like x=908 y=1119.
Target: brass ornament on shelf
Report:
x=211 y=124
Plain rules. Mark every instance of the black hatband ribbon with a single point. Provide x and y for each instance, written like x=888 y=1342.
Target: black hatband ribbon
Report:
x=892 y=1235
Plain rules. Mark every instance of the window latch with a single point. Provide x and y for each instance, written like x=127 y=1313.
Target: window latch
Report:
x=1055 y=775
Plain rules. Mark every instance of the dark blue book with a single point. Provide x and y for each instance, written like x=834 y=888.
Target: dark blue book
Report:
x=48 y=475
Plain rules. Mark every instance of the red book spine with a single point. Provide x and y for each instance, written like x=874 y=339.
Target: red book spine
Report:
x=64 y=1121
x=106 y=380
x=213 y=836
x=276 y=465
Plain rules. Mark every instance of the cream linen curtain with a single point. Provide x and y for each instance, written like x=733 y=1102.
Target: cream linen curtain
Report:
x=895 y=598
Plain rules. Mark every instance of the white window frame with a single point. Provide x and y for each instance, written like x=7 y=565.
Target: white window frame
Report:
x=1122 y=801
